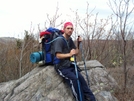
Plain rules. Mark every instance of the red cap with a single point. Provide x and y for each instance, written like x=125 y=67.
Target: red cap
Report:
x=67 y=24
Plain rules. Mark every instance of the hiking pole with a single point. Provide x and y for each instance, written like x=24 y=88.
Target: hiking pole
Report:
x=81 y=48
x=77 y=78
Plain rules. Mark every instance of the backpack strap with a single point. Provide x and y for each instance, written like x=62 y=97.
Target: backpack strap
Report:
x=54 y=40
x=59 y=38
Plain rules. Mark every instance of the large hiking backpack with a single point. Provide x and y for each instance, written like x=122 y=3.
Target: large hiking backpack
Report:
x=45 y=55
x=48 y=37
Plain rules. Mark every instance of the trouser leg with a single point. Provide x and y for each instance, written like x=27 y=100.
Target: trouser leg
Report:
x=86 y=90
x=69 y=75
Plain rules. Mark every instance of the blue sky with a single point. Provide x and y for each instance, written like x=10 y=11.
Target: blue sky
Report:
x=17 y=15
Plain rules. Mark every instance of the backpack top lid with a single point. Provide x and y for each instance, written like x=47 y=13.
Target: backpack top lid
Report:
x=44 y=33
x=50 y=30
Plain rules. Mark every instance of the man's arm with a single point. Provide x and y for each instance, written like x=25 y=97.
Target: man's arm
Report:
x=62 y=56
x=67 y=55
x=72 y=52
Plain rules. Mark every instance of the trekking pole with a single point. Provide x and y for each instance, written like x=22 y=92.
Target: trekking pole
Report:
x=81 y=48
x=80 y=95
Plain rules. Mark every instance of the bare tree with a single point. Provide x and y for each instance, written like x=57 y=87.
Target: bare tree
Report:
x=123 y=10
x=24 y=48
x=52 y=20
x=95 y=37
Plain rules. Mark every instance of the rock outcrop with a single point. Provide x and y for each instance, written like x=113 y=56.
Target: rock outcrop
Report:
x=43 y=84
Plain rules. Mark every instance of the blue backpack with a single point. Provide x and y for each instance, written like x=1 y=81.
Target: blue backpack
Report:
x=49 y=36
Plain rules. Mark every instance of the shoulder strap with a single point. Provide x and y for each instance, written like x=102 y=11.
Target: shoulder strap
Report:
x=53 y=40
x=66 y=43
x=59 y=37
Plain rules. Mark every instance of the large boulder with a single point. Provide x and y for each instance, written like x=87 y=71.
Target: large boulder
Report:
x=43 y=84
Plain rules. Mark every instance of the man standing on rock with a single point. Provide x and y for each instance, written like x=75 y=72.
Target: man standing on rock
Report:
x=63 y=51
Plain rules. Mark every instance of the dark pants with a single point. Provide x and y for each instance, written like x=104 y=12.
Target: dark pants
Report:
x=69 y=74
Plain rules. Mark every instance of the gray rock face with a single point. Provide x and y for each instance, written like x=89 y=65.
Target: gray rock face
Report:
x=43 y=84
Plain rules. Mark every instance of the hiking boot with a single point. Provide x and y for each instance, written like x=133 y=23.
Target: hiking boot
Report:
x=87 y=99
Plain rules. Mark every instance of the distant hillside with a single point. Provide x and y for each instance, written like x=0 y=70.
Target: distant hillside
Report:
x=5 y=40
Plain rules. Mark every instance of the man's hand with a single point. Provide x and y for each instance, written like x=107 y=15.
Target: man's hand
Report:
x=73 y=52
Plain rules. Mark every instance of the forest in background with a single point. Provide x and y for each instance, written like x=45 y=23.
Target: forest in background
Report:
x=113 y=47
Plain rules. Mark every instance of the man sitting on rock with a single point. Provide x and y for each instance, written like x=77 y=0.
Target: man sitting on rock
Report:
x=64 y=51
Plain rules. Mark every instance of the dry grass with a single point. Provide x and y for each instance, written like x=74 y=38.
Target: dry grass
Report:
x=118 y=75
